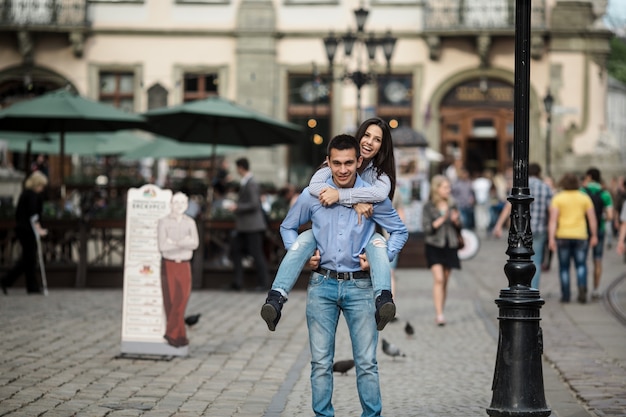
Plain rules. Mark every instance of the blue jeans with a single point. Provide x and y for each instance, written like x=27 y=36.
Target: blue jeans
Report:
x=539 y=241
x=569 y=249
x=326 y=298
x=467 y=217
x=304 y=247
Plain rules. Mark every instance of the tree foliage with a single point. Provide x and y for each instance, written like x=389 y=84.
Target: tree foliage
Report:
x=616 y=64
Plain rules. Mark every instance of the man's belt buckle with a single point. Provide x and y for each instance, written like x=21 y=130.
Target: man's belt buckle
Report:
x=344 y=276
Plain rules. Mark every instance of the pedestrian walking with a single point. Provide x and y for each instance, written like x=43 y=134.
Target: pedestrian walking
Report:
x=539 y=208
x=621 y=236
x=379 y=173
x=340 y=283
x=603 y=208
x=27 y=223
x=482 y=187
x=250 y=225
x=441 y=222
x=570 y=210
x=464 y=196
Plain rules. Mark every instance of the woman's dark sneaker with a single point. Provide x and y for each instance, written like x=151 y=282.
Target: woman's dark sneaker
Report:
x=385 y=309
x=270 y=312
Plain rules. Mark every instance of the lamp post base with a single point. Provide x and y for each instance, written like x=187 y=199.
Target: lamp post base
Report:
x=518 y=379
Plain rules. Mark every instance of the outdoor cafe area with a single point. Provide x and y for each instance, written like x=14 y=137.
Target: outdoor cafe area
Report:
x=85 y=209
x=87 y=251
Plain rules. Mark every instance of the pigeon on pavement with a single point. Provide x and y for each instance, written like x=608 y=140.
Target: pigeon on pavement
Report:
x=392 y=350
x=343 y=366
x=191 y=320
x=408 y=329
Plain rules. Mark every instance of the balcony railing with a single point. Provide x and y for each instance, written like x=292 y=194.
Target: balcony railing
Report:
x=468 y=15
x=45 y=14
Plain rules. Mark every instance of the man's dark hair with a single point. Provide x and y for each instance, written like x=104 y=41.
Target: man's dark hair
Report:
x=534 y=169
x=243 y=163
x=594 y=174
x=342 y=142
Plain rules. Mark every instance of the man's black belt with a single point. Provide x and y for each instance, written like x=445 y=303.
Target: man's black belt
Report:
x=342 y=275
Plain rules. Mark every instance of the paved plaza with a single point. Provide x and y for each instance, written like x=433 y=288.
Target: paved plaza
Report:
x=59 y=355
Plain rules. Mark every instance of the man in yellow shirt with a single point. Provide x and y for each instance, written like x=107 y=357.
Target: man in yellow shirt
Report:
x=570 y=210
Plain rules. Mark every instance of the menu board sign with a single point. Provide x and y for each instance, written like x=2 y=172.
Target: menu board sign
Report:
x=143 y=318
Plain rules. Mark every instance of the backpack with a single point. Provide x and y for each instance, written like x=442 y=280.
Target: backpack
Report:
x=598 y=205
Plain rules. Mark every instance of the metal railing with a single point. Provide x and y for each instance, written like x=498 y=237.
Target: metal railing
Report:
x=43 y=13
x=463 y=15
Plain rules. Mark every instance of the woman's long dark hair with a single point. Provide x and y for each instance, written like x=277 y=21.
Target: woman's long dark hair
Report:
x=384 y=161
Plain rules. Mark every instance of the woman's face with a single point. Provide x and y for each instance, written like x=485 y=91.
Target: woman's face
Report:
x=444 y=190
x=371 y=142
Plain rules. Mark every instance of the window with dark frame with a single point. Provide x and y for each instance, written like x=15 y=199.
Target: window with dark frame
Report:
x=198 y=86
x=118 y=89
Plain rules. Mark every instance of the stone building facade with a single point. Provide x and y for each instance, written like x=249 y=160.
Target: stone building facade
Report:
x=450 y=76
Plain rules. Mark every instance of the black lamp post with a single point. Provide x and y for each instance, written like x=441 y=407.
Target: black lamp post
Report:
x=362 y=42
x=548 y=101
x=518 y=377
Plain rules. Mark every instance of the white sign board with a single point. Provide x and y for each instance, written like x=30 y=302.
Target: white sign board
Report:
x=143 y=318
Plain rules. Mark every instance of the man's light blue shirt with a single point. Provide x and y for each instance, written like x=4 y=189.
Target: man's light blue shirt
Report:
x=339 y=237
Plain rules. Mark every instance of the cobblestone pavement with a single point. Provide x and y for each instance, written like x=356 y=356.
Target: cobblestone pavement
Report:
x=59 y=354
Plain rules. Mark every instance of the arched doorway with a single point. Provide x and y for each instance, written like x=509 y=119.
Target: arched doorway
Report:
x=22 y=83
x=476 y=119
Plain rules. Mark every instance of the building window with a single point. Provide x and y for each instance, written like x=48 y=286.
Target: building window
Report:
x=118 y=89
x=395 y=98
x=199 y=86
x=308 y=104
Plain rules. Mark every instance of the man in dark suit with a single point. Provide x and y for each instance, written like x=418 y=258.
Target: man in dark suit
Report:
x=250 y=226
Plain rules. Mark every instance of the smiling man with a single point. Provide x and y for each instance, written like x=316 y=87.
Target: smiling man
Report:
x=339 y=284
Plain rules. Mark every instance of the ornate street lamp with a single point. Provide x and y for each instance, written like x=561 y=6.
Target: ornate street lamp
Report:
x=518 y=377
x=548 y=101
x=362 y=42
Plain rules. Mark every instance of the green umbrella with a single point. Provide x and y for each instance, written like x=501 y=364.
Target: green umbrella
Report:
x=219 y=121
x=62 y=111
x=76 y=143
x=161 y=147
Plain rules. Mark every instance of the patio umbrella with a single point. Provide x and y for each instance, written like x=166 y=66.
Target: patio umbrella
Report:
x=405 y=136
x=62 y=111
x=162 y=147
x=216 y=120
x=77 y=143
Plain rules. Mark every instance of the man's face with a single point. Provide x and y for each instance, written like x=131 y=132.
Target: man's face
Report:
x=343 y=165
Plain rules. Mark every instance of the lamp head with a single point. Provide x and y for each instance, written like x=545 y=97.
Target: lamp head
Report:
x=361 y=16
x=330 y=44
x=389 y=44
x=548 y=101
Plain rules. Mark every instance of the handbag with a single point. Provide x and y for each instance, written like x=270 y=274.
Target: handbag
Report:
x=459 y=237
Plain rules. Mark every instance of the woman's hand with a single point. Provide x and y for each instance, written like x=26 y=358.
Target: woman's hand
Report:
x=439 y=221
x=365 y=265
x=314 y=262
x=329 y=196
x=455 y=217
x=363 y=209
